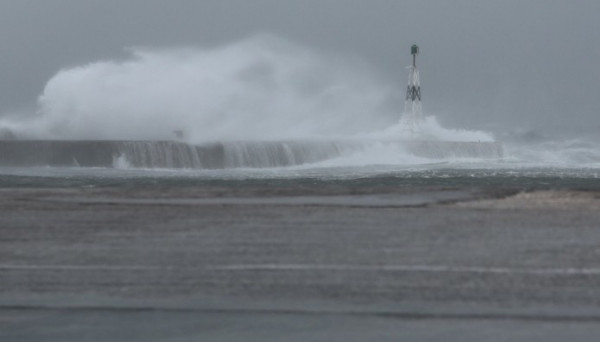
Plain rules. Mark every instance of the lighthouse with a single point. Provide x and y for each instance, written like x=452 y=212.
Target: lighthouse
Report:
x=413 y=115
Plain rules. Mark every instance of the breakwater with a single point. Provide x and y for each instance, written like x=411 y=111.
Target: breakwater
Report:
x=220 y=155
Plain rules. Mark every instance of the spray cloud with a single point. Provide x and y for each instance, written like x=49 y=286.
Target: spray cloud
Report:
x=260 y=88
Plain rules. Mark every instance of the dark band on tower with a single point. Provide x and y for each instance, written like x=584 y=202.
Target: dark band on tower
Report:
x=413 y=92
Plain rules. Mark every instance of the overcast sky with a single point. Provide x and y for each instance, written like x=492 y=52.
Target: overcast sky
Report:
x=483 y=63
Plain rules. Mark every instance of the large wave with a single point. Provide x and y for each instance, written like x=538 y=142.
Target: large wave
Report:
x=260 y=88
x=564 y=152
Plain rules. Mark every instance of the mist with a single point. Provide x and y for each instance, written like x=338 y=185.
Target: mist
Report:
x=504 y=66
x=259 y=88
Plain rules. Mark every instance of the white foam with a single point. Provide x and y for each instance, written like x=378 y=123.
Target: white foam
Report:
x=375 y=153
x=563 y=153
x=428 y=129
x=260 y=88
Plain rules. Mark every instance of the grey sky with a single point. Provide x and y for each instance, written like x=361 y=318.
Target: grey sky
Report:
x=483 y=63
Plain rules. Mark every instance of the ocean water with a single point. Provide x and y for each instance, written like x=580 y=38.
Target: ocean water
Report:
x=549 y=165
x=439 y=175
x=365 y=161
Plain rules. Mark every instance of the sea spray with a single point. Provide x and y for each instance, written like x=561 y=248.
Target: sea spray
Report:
x=262 y=88
x=427 y=129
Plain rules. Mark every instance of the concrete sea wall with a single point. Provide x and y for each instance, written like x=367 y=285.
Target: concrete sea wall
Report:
x=252 y=154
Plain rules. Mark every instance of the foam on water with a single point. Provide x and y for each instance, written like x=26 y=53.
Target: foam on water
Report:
x=559 y=153
x=428 y=129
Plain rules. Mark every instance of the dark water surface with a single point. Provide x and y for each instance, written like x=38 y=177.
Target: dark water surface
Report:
x=534 y=178
x=374 y=253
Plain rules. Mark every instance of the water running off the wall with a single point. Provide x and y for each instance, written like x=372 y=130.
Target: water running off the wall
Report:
x=224 y=155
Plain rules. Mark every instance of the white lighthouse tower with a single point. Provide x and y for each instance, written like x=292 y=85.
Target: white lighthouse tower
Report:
x=413 y=115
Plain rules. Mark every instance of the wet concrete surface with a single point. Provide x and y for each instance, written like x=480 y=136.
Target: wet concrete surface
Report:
x=189 y=264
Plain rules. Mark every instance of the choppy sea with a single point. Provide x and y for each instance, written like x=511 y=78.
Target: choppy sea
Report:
x=547 y=164
x=491 y=174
